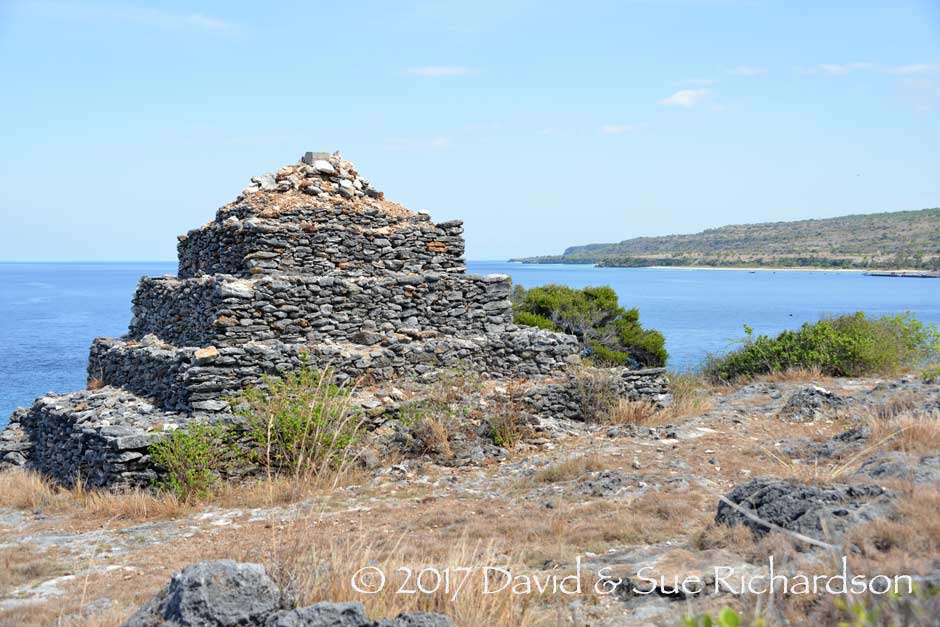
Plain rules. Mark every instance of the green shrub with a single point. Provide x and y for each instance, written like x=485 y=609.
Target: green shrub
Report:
x=504 y=427
x=727 y=617
x=530 y=319
x=610 y=334
x=192 y=460
x=931 y=374
x=301 y=423
x=845 y=346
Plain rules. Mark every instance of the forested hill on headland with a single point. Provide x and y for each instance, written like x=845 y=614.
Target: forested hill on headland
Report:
x=878 y=241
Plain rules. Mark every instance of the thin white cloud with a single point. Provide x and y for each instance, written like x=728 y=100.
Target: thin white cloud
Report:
x=699 y=81
x=841 y=69
x=143 y=16
x=438 y=71
x=687 y=98
x=617 y=129
x=440 y=141
x=915 y=68
x=748 y=70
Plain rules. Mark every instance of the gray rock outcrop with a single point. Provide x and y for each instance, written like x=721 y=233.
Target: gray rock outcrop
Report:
x=222 y=593
x=822 y=513
x=225 y=593
x=809 y=403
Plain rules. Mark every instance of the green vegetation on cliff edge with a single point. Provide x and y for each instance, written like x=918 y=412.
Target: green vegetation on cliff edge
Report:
x=610 y=334
x=883 y=241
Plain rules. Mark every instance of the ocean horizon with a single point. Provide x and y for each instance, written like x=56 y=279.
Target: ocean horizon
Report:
x=52 y=310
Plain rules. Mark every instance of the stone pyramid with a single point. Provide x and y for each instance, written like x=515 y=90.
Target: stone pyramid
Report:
x=309 y=262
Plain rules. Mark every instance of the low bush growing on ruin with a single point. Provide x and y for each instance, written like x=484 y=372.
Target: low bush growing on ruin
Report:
x=611 y=335
x=301 y=423
x=598 y=393
x=845 y=346
x=194 y=459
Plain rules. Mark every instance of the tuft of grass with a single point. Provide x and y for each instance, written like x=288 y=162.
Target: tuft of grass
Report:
x=897 y=405
x=569 y=469
x=434 y=436
x=23 y=564
x=627 y=412
x=911 y=432
x=598 y=392
x=30 y=491
x=851 y=345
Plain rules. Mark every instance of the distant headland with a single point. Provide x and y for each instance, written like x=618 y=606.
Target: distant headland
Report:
x=886 y=242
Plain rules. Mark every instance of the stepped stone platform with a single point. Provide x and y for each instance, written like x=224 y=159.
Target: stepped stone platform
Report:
x=308 y=263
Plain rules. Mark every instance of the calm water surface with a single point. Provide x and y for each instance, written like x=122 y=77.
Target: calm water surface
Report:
x=50 y=312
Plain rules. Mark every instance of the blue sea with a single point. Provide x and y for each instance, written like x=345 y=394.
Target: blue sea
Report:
x=49 y=312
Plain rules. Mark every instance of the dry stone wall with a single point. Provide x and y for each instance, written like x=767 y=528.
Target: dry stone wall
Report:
x=264 y=246
x=571 y=397
x=189 y=379
x=228 y=311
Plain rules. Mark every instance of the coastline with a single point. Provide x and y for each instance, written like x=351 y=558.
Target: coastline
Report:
x=720 y=268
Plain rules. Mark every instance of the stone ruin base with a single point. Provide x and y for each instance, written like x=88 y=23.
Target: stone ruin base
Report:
x=102 y=437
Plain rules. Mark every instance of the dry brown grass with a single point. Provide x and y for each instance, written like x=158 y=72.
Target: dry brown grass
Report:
x=434 y=436
x=909 y=432
x=570 y=469
x=72 y=614
x=23 y=564
x=793 y=375
x=913 y=533
x=27 y=490
x=325 y=573
x=95 y=383
x=897 y=405
x=627 y=412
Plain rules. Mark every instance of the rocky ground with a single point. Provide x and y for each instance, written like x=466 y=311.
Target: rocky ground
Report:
x=851 y=464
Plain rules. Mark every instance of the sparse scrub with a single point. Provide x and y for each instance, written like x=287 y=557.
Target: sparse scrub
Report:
x=627 y=412
x=23 y=564
x=301 y=424
x=570 y=469
x=598 y=393
x=27 y=490
x=611 y=335
x=912 y=432
x=505 y=429
x=434 y=436
x=325 y=573
x=689 y=396
x=931 y=374
x=193 y=460
x=850 y=345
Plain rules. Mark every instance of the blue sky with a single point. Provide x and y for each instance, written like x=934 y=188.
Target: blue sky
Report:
x=541 y=124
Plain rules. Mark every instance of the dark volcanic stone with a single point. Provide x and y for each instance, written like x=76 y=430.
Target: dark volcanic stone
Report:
x=222 y=593
x=821 y=513
x=807 y=404
x=322 y=615
x=898 y=465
